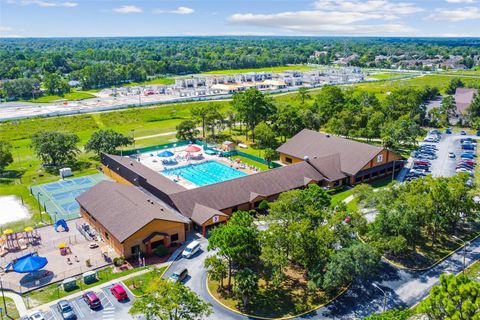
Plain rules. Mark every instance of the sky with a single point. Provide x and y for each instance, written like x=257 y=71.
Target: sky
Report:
x=100 y=18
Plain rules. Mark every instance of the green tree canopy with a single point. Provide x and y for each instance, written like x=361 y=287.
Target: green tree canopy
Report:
x=107 y=141
x=187 y=130
x=6 y=157
x=55 y=148
x=167 y=300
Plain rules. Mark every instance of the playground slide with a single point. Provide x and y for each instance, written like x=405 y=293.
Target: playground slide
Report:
x=61 y=223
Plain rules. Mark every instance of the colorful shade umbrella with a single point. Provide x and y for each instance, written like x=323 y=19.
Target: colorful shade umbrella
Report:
x=192 y=148
x=28 y=229
x=7 y=231
x=29 y=263
x=165 y=154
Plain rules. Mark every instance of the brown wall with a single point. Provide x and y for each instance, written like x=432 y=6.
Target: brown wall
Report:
x=294 y=160
x=115 y=176
x=124 y=248
x=169 y=227
x=386 y=156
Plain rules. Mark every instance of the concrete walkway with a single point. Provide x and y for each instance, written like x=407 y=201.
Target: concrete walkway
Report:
x=18 y=300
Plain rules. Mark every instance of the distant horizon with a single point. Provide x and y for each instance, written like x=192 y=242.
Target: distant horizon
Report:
x=196 y=18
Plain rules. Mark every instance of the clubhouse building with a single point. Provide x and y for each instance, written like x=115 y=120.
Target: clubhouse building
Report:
x=143 y=208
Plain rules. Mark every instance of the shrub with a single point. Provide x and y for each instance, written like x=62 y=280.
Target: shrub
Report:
x=161 y=251
x=118 y=261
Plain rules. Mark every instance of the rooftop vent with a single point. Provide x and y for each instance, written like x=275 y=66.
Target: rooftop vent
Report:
x=306 y=158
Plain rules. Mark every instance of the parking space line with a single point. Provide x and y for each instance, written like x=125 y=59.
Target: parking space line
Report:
x=106 y=296
x=77 y=307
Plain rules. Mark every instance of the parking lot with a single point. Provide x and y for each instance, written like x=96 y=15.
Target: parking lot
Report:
x=444 y=164
x=111 y=308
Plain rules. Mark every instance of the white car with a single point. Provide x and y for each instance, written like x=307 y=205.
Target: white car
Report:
x=451 y=155
x=36 y=315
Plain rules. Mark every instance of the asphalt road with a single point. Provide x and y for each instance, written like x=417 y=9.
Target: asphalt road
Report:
x=403 y=287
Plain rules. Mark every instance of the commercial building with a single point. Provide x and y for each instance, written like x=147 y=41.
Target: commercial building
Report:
x=143 y=208
x=359 y=162
x=463 y=99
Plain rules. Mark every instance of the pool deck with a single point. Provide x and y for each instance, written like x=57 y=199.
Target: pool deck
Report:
x=152 y=161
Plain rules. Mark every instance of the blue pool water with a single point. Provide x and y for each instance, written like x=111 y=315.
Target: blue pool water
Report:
x=205 y=173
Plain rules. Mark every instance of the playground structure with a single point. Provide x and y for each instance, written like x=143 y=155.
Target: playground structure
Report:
x=12 y=241
x=61 y=223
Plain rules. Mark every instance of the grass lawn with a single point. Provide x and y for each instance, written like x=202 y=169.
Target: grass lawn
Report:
x=271 y=69
x=261 y=166
x=161 y=80
x=473 y=272
x=137 y=284
x=340 y=196
x=383 y=76
x=55 y=291
x=289 y=299
x=71 y=96
x=11 y=308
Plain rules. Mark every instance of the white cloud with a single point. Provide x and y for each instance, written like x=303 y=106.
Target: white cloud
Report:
x=337 y=17
x=370 y=6
x=183 y=10
x=5 y=29
x=49 y=4
x=128 y=9
x=461 y=1
x=179 y=10
x=455 y=15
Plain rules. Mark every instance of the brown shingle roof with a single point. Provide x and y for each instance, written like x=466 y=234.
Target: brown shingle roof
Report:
x=464 y=98
x=353 y=155
x=123 y=209
x=202 y=214
x=329 y=166
x=152 y=177
x=238 y=191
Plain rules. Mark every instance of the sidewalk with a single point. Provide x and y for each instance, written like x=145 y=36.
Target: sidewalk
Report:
x=19 y=303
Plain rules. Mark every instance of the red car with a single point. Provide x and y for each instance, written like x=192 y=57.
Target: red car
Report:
x=92 y=300
x=119 y=292
x=422 y=162
x=469 y=162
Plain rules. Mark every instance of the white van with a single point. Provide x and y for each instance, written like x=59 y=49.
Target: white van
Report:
x=191 y=249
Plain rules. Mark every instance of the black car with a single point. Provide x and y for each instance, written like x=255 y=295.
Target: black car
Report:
x=66 y=310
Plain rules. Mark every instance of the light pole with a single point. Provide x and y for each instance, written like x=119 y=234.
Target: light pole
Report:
x=384 y=295
x=3 y=296
x=465 y=244
x=39 y=206
x=133 y=136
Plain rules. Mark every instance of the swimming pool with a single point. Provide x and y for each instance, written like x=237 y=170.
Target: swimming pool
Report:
x=208 y=172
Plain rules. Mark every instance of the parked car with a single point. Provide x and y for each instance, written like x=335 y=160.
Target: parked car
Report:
x=467 y=146
x=92 y=300
x=451 y=155
x=463 y=133
x=469 y=162
x=448 y=131
x=192 y=248
x=36 y=315
x=465 y=155
x=179 y=275
x=119 y=292
x=423 y=162
x=66 y=310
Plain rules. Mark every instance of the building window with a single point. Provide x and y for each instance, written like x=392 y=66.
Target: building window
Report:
x=380 y=158
x=106 y=235
x=288 y=160
x=135 y=250
x=174 y=237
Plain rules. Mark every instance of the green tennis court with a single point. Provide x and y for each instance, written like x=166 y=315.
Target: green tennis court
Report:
x=58 y=198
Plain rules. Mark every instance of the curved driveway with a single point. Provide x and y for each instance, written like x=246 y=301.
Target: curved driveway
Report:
x=404 y=287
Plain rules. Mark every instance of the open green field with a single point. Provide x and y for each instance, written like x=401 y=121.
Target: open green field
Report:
x=71 y=96
x=271 y=69
x=383 y=76
x=161 y=80
x=464 y=72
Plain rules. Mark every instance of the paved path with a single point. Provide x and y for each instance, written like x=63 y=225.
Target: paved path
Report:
x=19 y=303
